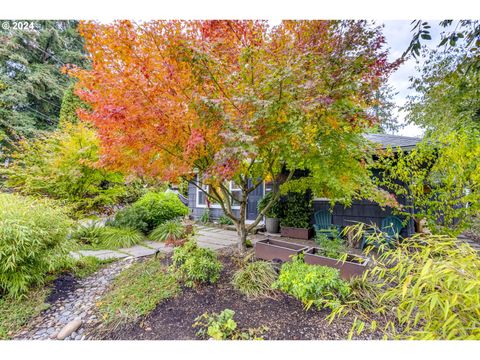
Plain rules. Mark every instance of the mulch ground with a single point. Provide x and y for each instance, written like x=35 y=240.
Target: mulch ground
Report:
x=283 y=315
x=63 y=286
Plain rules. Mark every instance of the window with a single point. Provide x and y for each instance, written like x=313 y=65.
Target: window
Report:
x=268 y=186
x=234 y=189
x=201 y=197
x=236 y=193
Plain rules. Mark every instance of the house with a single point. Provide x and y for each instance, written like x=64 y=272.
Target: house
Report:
x=359 y=211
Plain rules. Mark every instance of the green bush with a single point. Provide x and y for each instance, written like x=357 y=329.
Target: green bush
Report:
x=60 y=165
x=99 y=236
x=297 y=211
x=113 y=238
x=205 y=218
x=196 y=265
x=223 y=327
x=137 y=291
x=275 y=211
x=432 y=282
x=333 y=248
x=151 y=210
x=312 y=284
x=225 y=220
x=255 y=279
x=171 y=230
x=32 y=241
x=88 y=233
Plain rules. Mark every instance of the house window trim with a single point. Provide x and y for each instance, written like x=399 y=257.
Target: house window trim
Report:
x=213 y=206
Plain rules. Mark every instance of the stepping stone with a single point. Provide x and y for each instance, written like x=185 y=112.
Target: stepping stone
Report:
x=211 y=240
x=210 y=245
x=158 y=246
x=138 y=251
x=99 y=254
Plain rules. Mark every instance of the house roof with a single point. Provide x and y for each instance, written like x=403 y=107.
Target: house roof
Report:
x=404 y=142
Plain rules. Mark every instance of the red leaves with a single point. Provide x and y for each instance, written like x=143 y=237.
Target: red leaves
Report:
x=163 y=94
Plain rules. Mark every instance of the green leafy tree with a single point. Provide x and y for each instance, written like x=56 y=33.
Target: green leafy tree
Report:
x=459 y=33
x=31 y=80
x=70 y=104
x=440 y=179
x=235 y=101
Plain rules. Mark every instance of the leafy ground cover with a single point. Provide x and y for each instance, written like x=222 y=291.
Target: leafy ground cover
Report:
x=14 y=312
x=137 y=291
x=172 y=318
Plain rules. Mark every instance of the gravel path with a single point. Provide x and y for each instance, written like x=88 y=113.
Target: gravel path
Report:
x=73 y=300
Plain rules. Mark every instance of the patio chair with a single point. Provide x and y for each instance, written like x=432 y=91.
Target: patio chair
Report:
x=323 y=224
x=390 y=229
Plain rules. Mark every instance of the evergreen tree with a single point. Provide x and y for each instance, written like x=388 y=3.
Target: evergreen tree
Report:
x=31 y=80
x=70 y=104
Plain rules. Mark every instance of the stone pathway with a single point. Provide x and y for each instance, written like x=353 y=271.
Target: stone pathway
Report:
x=207 y=237
x=145 y=249
x=78 y=304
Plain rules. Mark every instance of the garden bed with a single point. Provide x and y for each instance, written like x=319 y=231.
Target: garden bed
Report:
x=283 y=315
x=354 y=265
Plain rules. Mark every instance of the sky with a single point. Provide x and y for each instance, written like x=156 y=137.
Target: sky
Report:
x=398 y=36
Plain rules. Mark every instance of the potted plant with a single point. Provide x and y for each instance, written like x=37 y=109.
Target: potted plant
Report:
x=272 y=215
x=297 y=214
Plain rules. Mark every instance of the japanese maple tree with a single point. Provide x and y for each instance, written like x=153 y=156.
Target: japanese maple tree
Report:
x=214 y=101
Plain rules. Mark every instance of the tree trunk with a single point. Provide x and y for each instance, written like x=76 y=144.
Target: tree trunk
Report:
x=241 y=227
x=242 y=237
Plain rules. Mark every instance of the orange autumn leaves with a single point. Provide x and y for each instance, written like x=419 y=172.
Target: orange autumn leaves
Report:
x=168 y=97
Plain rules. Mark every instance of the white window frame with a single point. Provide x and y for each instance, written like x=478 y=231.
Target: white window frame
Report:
x=215 y=206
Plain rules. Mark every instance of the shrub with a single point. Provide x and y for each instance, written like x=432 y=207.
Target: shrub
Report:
x=100 y=236
x=223 y=327
x=196 y=265
x=433 y=284
x=312 y=284
x=333 y=248
x=151 y=210
x=113 y=238
x=132 y=218
x=225 y=220
x=255 y=280
x=297 y=211
x=137 y=291
x=88 y=233
x=205 y=218
x=275 y=211
x=32 y=241
x=170 y=231
x=60 y=164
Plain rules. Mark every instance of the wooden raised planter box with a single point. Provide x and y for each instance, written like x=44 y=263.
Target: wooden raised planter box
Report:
x=270 y=249
x=354 y=265
x=296 y=233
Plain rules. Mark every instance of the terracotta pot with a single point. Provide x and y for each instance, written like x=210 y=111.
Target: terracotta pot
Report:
x=355 y=265
x=270 y=249
x=297 y=233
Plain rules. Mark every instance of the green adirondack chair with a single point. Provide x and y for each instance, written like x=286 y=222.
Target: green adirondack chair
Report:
x=323 y=224
x=391 y=227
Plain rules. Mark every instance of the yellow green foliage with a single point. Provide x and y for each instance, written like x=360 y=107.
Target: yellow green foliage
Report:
x=426 y=288
x=61 y=165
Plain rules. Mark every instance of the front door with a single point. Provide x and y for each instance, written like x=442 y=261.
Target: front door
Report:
x=253 y=199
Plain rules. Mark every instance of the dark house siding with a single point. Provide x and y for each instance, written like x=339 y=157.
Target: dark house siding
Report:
x=360 y=211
